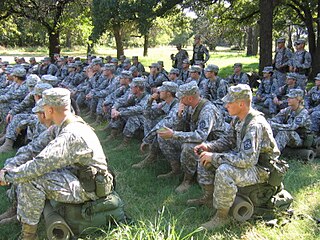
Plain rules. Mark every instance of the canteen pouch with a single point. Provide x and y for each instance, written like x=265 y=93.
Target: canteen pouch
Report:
x=86 y=175
x=103 y=185
x=279 y=168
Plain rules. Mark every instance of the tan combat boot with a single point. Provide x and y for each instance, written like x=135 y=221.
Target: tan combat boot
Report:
x=7 y=146
x=148 y=160
x=186 y=184
x=29 y=232
x=220 y=219
x=206 y=199
x=98 y=121
x=114 y=133
x=175 y=170
x=125 y=143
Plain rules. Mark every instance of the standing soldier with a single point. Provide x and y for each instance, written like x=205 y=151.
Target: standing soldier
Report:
x=281 y=61
x=179 y=57
x=200 y=52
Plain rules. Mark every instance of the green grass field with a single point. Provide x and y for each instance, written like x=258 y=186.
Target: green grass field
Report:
x=159 y=213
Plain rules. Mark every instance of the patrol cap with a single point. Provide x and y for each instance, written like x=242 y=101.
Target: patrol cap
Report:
x=126 y=62
x=238 y=92
x=72 y=65
x=160 y=63
x=32 y=80
x=154 y=65
x=295 y=93
x=134 y=57
x=47 y=59
x=188 y=89
x=114 y=60
x=109 y=66
x=281 y=40
x=48 y=78
x=300 y=41
x=126 y=74
x=186 y=61
x=138 y=82
x=195 y=68
x=267 y=69
x=96 y=61
x=237 y=65
x=197 y=36
x=19 y=72
x=169 y=86
x=317 y=77
x=122 y=57
x=78 y=63
x=56 y=97
x=133 y=69
x=174 y=71
x=292 y=76
x=212 y=68
x=8 y=69
x=38 y=106
x=32 y=59
x=40 y=87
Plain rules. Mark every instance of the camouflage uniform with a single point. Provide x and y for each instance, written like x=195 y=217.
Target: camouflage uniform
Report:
x=200 y=53
x=312 y=103
x=154 y=81
x=240 y=158
x=53 y=173
x=179 y=57
x=202 y=82
x=291 y=127
x=241 y=77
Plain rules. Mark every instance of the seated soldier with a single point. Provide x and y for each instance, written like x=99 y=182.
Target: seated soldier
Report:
x=292 y=124
x=234 y=160
x=58 y=171
x=238 y=75
x=312 y=102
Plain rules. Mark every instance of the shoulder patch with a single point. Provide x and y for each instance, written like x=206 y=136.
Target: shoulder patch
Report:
x=247 y=144
x=202 y=124
x=298 y=119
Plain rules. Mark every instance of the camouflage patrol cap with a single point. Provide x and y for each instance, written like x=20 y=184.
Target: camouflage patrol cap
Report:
x=56 y=97
x=195 y=68
x=114 y=60
x=267 y=69
x=169 y=87
x=134 y=57
x=127 y=62
x=161 y=63
x=72 y=65
x=47 y=59
x=174 y=71
x=186 y=61
x=238 y=92
x=122 y=57
x=78 y=63
x=40 y=87
x=96 y=61
x=317 y=77
x=281 y=40
x=138 y=82
x=126 y=74
x=292 y=76
x=133 y=69
x=301 y=41
x=188 y=89
x=32 y=59
x=212 y=68
x=154 y=65
x=295 y=93
x=237 y=65
x=48 y=78
x=19 y=72
x=38 y=108
x=109 y=66
x=32 y=80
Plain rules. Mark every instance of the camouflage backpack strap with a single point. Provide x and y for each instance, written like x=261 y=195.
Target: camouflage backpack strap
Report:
x=195 y=115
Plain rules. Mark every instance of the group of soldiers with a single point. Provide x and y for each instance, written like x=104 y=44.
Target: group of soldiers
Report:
x=202 y=124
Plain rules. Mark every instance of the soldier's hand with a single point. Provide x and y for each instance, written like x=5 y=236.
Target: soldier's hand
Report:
x=165 y=133
x=276 y=101
x=180 y=109
x=8 y=118
x=206 y=159
x=203 y=147
x=143 y=147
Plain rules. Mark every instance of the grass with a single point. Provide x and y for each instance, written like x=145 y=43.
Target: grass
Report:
x=159 y=213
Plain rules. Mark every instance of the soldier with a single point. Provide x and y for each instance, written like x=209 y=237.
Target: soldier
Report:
x=48 y=67
x=301 y=63
x=312 y=102
x=200 y=52
x=129 y=112
x=292 y=124
x=266 y=93
x=155 y=115
x=161 y=69
x=155 y=78
x=184 y=72
x=195 y=75
x=174 y=76
x=177 y=59
x=194 y=121
x=51 y=175
x=281 y=61
x=140 y=67
x=238 y=76
x=249 y=142
x=281 y=100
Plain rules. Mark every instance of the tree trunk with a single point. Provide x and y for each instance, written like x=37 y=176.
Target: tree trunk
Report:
x=250 y=41
x=266 y=18
x=255 y=40
x=146 y=45
x=68 y=39
x=118 y=38
x=54 y=42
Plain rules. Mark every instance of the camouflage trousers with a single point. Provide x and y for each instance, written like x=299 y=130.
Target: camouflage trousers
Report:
x=281 y=77
x=6 y=107
x=315 y=119
x=60 y=185
x=302 y=80
x=227 y=180
x=81 y=99
x=16 y=122
x=175 y=150
x=99 y=108
x=288 y=138
x=129 y=124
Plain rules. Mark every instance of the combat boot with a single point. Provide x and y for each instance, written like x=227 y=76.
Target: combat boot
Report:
x=98 y=121
x=125 y=143
x=7 y=146
x=175 y=170
x=186 y=183
x=206 y=199
x=148 y=160
x=12 y=211
x=220 y=219
x=29 y=232
x=2 y=139
x=8 y=220
x=114 y=133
